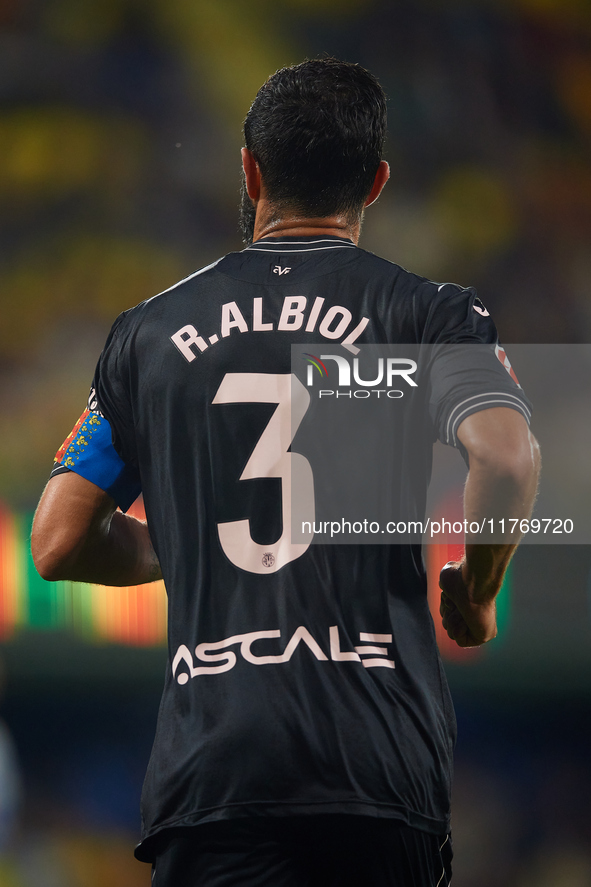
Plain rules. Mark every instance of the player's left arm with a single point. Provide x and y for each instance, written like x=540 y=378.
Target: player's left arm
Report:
x=78 y=534
x=504 y=460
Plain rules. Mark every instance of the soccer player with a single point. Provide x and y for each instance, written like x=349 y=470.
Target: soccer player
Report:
x=306 y=730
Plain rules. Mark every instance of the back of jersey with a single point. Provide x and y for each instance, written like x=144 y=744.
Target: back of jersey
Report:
x=303 y=678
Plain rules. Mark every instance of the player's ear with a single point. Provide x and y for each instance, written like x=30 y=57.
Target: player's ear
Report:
x=252 y=174
x=382 y=176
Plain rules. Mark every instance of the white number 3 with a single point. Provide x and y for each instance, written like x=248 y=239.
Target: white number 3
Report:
x=270 y=458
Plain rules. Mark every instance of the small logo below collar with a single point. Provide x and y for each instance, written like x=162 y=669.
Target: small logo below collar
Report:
x=277 y=269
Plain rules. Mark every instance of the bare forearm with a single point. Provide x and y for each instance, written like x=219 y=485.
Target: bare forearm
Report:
x=120 y=554
x=502 y=483
x=78 y=534
x=494 y=494
x=484 y=568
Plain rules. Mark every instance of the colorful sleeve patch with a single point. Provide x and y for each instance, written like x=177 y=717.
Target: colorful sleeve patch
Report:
x=502 y=355
x=88 y=451
x=61 y=453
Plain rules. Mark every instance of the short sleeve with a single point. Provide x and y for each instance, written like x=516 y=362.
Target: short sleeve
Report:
x=110 y=393
x=455 y=315
x=89 y=452
x=101 y=446
x=470 y=371
x=468 y=378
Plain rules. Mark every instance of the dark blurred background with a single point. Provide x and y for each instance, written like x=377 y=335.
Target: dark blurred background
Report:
x=120 y=127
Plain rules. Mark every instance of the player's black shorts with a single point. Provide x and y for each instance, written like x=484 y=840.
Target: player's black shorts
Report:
x=303 y=851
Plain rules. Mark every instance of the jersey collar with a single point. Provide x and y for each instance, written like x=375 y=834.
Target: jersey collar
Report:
x=300 y=244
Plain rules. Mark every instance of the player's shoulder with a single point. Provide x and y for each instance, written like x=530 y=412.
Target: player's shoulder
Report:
x=428 y=290
x=439 y=311
x=427 y=296
x=378 y=266
x=435 y=296
x=179 y=289
x=154 y=305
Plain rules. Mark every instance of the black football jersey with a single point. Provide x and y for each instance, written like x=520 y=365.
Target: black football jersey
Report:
x=302 y=678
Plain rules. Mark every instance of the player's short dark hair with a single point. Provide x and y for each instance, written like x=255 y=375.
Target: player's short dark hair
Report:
x=317 y=131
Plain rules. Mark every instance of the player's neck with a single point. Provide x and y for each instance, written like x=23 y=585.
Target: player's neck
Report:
x=269 y=224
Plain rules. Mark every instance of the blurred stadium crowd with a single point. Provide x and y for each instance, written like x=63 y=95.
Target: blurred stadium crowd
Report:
x=119 y=135
x=119 y=172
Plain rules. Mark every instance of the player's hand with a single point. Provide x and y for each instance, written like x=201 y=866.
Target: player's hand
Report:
x=467 y=623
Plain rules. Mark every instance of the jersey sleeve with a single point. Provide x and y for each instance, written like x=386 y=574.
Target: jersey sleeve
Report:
x=111 y=388
x=100 y=446
x=470 y=370
x=88 y=451
x=467 y=379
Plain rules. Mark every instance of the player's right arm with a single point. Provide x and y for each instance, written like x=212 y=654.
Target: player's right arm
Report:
x=504 y=465
x=78 y=534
